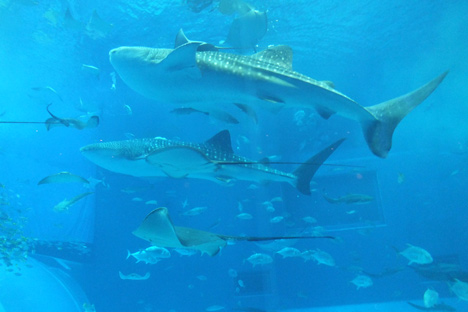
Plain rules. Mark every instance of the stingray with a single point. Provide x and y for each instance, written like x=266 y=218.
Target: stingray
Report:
x=157 y=228
x=92 y=122
x=63 y=177
x=247 y=29
x=97 y=28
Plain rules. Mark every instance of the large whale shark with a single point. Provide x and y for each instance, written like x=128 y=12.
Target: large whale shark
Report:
x=196 y=75
x=212 y=160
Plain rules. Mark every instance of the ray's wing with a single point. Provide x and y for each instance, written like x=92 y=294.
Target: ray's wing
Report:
x=157 y=228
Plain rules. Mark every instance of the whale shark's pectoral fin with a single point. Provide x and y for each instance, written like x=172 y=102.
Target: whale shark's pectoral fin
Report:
x=223 y=116
x=325 y=113
x=248 y=110
x=180 y=161
x=183 y=59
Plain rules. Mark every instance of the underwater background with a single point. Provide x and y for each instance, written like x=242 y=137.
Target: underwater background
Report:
x=57 y=52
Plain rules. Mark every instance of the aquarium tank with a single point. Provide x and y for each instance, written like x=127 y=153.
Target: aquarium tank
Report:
x=233 y=155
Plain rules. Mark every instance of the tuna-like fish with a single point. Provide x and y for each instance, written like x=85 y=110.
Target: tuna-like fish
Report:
x=150 y=255
x=260 y=259
x=349 y=199
x=197 y=75
x=213 y=160
x=416 y=255
x=134 y=276
x=362 y=281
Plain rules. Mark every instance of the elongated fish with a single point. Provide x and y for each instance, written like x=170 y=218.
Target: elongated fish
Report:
x=213 y=160
x=65 y=204
x=197 y=75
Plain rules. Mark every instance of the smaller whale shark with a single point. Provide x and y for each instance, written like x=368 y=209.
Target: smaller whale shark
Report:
x=212 y=160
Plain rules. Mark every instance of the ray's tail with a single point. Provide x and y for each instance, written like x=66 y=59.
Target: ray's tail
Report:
x=307 y=170
x=379 y=132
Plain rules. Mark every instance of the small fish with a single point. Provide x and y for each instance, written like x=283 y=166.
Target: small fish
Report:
x=309 y=219
x=195 y=211
x=136 y=189
x=276 y=199
x=150 y=255
x=134 y=276
x=244 y=216
x=289 y=252
x=62 y=177
x=268 y=206
x=128 y=110
x=137 y=199
x=362 y=281
x=45 y=95
x=65 y=204
x=401 y=178
x=349 y=199
x=320 y=256
x=431 y=298
x=241 y=283
x=276 y=219
x=214 y=308
x=185 y=251
x=92 y=70
x=460 y=289
x=259 y=259
x=416 y=255
x=151 y=202
x=202 y=278
x=232 y=273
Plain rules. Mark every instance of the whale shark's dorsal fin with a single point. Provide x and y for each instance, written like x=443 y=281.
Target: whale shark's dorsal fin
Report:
x=280 y=56
x=181 y=39
x=222 y=141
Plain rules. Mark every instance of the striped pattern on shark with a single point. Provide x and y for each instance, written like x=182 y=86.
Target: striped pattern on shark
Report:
x=196 y=75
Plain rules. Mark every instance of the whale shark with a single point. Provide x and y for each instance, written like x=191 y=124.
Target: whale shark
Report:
x=212 y=160
x=200 y=76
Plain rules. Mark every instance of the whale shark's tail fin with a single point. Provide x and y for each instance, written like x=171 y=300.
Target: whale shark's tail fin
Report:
x=306 y=171
x=379 y=132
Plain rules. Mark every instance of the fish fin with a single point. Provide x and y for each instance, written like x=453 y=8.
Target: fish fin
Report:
x=93 y=122
x=330 y=200
x=274 y=104
x=179 y=161
x=186 y=111
x=223 y=116
x=324 y=112
x=265 y=161
x=379 y=131
x=281 y=56
x=305 y=172
x=248 y=110
x=222 y=141
x=183 y=59
x=329 y=83
x=224 y=179
x=181 y=39
x=128 y=254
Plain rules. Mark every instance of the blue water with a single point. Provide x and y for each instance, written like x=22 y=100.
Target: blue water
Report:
x=371 y=50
